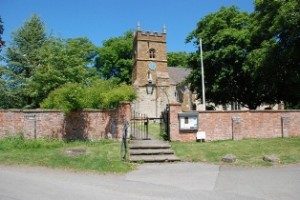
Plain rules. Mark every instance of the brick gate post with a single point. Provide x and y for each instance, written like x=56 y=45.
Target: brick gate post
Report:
x=175 y=108
x=124 y=113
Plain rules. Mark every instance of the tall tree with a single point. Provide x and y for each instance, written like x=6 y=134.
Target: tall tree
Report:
x=276 y=41
x=22 y=56
x=226 y=45
x=177 y=59
x=1 y=32
x=22 y=59
x=115 y=58
x=2 y=72
x=61 y=62
x=37 y=65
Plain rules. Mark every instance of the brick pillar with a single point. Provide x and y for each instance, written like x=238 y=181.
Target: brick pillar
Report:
x=175 y=108
x=236 y=127
x=285 y=124
x=124 y=113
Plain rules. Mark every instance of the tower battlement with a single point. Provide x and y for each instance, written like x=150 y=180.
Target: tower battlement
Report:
x=155 y=33
x=150 y=36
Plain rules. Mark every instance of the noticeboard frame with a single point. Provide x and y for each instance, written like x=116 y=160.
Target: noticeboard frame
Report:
x=188 y=121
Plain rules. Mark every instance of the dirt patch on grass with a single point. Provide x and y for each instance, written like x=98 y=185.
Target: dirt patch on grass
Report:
x=77 y=151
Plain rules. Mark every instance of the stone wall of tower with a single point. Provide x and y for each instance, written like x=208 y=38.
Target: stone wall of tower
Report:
x=153 y=104
x=143 y=42
x=163 y=93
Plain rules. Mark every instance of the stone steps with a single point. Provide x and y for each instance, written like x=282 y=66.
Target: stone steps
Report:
x=151 y=151
x=153 y=158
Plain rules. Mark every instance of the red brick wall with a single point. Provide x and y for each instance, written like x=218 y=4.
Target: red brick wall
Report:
x=11 y=121
x=238 y=124
x=92 y=124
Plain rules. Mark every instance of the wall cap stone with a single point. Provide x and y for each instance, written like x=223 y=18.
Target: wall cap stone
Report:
x=249 y=111
x=30 y=110
x=56 y=110
x=175 y=104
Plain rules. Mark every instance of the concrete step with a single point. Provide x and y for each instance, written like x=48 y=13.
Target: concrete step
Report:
x=148 y=144
x=153 y=158
x=151 y=151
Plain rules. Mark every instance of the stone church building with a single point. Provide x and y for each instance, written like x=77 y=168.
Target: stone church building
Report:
x=156 y=84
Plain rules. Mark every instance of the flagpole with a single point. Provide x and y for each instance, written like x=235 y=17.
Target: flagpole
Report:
x=202 y=76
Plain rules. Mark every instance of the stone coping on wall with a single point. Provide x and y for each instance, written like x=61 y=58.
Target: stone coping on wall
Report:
x=54 y=110
x=248 y=111
x=57 y=110
x=30 y=110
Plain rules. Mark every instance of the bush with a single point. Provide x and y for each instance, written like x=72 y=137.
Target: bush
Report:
x=101 y=94
x=66 y=98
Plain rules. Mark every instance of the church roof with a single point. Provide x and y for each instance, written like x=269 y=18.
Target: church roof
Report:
x=178 y=74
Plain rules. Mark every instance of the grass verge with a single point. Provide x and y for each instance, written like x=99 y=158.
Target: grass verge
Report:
x=101 y=156
x=249 y=152
x=157 y=130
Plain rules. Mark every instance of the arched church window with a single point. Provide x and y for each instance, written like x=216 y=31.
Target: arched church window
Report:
x=152 y=53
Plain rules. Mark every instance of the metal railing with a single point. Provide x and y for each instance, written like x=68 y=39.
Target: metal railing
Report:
x=124 y=141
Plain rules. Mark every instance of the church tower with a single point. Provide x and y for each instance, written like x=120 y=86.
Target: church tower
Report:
x=150 y=73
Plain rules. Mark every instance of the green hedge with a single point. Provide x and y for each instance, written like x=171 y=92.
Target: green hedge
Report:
x=101 y=94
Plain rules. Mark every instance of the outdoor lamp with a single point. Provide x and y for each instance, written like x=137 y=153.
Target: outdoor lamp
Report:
x=149 y=87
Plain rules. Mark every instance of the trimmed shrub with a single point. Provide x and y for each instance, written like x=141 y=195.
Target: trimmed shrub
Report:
x=102 y=94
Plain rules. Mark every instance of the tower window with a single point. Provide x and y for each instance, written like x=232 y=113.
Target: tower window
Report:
x=152 y=53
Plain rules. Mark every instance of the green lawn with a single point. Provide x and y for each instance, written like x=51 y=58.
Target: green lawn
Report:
x=102 y=156
x=156 y=130
x=249 y=152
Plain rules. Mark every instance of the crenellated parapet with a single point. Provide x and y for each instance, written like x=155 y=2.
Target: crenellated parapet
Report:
x=150 y=36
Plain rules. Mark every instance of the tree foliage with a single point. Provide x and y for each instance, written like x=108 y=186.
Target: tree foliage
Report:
x=115 y=58
x=22 y=55
x=61 y=62
x=101 y=94
x=22 y=59
x=1 y=32
x=37 y=64
x=276 y=40
x=250 y=58
x=226 y=44
x=177 y=59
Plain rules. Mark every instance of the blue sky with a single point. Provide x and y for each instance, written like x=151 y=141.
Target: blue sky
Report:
x=99 y=20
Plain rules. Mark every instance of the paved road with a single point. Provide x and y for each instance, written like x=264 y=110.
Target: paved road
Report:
x=153 y=181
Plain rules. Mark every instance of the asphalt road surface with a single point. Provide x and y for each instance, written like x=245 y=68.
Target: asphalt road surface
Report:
x=152 y=181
